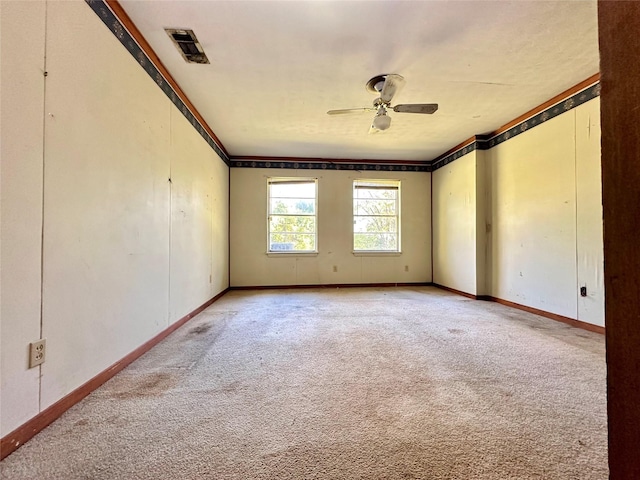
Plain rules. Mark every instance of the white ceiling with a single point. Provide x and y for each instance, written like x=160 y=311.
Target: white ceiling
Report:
x=278 y=66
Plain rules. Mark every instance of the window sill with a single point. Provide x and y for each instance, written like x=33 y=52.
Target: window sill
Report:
x=376 y=254
x=292 y=254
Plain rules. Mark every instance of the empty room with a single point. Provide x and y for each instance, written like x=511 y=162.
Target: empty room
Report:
x=319 y=239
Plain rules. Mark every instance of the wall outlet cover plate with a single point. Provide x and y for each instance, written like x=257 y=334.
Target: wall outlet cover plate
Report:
x=36 y=352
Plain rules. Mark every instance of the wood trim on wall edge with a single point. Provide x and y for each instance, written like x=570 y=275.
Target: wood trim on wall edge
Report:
x=553 y=316
x=549 y=103
x=321 y=160
x=15 y=439
x=131 y=27
x=466 y=143
x=12 y=441
x=458 y=292
x=521 y=118
x=332 y=285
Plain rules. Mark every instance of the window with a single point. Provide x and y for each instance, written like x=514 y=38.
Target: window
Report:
x=376 y=216
x=292 y=215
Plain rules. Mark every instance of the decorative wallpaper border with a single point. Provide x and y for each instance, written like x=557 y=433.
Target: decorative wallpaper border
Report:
x=442 y=161
x=122 y=34
x=485 y=142
x=480 y=142
x=328 y=165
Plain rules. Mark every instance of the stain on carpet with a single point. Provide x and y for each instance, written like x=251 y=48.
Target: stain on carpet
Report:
x=231 y=387
x=200 y=329
x=455 y=331
x=150 y=385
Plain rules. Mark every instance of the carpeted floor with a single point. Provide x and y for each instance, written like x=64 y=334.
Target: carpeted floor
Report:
x=358 y=383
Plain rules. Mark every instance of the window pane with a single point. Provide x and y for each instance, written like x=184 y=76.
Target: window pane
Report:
x=376 y=215
x=293 y=190
x=374 y=207
x=375 y=225
x=292 y=206
x=375 y=241
x=293 y=224
x=291 y=242
x=375 y=193
x=292 y=214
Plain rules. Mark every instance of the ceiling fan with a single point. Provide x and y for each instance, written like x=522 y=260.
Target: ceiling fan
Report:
x=387 y=86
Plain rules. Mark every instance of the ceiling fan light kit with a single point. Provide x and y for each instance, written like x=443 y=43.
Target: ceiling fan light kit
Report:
x=387 y=86
x=381 y=121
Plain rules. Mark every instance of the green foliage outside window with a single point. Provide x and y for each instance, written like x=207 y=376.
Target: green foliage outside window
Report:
x=292 y=215
x=376 y=216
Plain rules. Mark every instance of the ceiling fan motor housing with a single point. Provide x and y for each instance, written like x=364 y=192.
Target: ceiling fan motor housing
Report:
x=376 y=83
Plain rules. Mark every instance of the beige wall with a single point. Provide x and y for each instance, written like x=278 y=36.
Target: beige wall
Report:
x=199 y=220
x=125 y=252
x=589 y=253
x=539 y=219
x=454 y=224
x=100 y=251
x=251 y=266
x=523 y=221
x=533 y=218
x=21 y=206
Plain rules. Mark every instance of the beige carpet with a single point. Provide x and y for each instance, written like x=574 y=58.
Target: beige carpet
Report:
x=363 y=383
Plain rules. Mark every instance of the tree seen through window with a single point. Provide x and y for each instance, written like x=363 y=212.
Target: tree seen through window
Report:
x=292 y=215
x=376 y=215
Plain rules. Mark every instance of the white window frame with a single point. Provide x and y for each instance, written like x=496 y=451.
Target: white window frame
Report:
x=377 y=184
x=292 y=181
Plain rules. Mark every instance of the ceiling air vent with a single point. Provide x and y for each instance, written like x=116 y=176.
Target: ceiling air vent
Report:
x=187 y=44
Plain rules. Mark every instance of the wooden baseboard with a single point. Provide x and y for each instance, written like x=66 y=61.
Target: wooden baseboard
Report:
x=331 y=285
x=553 y=316
x=12 y=441
x=459 y=292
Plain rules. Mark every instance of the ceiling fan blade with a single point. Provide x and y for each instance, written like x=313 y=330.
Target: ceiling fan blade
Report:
x=416 y=108
x=351 y=110
x=393 y=83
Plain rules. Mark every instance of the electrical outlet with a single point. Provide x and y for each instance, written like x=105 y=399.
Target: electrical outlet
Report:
x=36 y=352
x=335 y=268
x=406 y=268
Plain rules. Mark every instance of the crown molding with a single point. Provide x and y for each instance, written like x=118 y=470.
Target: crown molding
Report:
x=330 y=164
x=118 y=22
x=564 y=102
x=116 y=19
